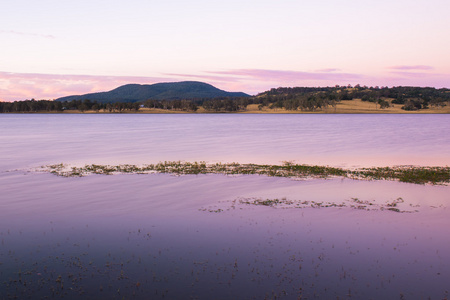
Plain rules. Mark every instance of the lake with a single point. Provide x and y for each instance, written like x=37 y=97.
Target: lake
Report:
x=158 y=236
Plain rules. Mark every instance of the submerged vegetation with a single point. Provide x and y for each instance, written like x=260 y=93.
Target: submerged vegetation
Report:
x=410 y=174
x=394 y=205
x=353 y=203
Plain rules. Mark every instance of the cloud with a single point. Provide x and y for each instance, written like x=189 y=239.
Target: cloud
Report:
x=204 y=77
x=417 y=74
x=21 y=86
x=412 y=78
x=328 y=70
x=411 y=74
x=412 y=68
x=297 y=76
x=254 y=81
x=47 y=36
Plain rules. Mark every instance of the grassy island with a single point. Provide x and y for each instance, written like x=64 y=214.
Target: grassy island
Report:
x=410 y=174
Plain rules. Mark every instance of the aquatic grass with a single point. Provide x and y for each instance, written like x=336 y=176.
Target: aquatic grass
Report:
x=410 y=174
x=353 y=203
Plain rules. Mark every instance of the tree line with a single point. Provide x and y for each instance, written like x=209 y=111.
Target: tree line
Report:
x=220 y=104
x=57 y=106
x=289 y=98
x=213 y=105
x=311 y=99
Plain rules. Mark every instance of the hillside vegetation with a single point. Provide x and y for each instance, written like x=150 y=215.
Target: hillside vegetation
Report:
x=338 y=99
x=186 y=90
x=311 y=99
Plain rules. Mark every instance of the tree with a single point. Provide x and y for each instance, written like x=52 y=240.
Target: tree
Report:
x=383 y=103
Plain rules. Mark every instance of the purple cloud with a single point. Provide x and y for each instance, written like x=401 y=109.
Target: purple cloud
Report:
x=411 y=74
x=21 y=86
x=254 y=81
x=204 y=77
x=412 y=68
x=327 y=70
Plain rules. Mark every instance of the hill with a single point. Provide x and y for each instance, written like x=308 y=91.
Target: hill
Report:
x=159 y=91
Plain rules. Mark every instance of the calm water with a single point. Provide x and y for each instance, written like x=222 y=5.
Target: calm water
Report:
x=344 y=140
x=161 y=236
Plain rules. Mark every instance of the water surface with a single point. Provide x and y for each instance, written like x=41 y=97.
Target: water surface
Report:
x=175 y=237
x=340 y=140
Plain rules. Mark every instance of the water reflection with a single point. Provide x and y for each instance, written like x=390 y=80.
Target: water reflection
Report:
x=141 y=236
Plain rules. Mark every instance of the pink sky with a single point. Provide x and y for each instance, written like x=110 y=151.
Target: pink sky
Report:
x=21 y=86
x=55 y=48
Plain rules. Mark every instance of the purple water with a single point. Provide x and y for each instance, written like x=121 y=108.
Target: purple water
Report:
x=176 y=237
x=343 y=140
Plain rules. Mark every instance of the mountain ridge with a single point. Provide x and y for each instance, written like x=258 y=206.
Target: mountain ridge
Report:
x=159 y=91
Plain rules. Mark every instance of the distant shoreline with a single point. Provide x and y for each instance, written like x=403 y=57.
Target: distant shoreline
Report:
x=355 y=106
